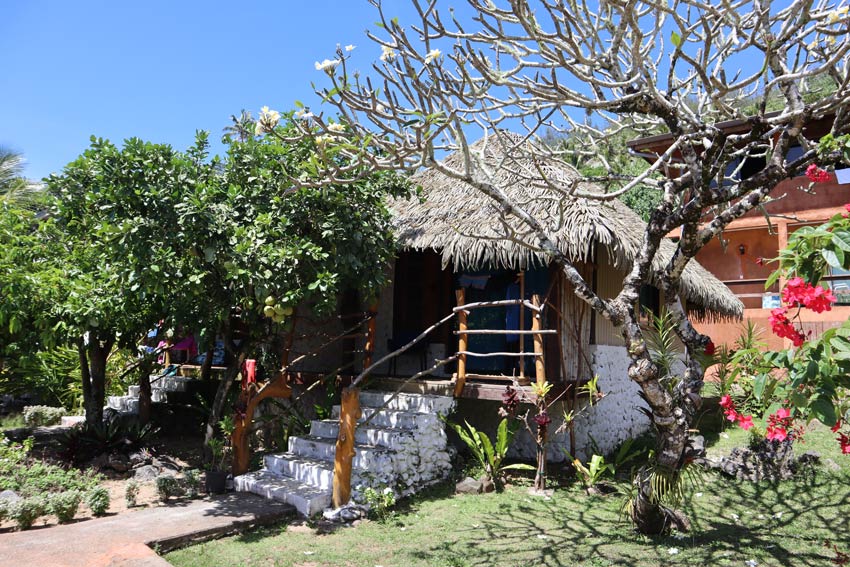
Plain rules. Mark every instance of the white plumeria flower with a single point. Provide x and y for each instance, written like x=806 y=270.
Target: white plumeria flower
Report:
x=433 y=54
x=338 y=128
x=322 y=140
x=327 y=64
x=387 y=53
x=268 y=120
x=303 y=114
x=350 y=47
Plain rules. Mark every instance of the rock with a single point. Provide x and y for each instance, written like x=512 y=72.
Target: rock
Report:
x=139 y=458
x=768 y=460
x=487 y=485
x=99 y=462
x=9 y=497
x=164 y=463
x=146 y=473
x=831 y=465
x=469 y=486
x=119 y=462
x=347 y=513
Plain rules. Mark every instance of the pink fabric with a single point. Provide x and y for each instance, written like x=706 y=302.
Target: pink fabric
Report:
x=188 y=344
x=249 y=372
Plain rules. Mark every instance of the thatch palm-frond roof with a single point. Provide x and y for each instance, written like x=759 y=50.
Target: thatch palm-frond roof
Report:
x=465 y=225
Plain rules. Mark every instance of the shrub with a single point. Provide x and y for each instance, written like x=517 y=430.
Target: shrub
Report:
x=26 y=511
x=97 y=500
x=37 y=416
x=192 y=482
x=131 y=492
x=380 y=502
x=64 y=505
x=27 y=477
x=166 y=487
x=85 y=442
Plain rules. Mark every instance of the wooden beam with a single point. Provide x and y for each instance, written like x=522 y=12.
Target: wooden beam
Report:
x=276 y=388
x=463 y=342
x=507 y=332
x=536 y=325
x=344 y=455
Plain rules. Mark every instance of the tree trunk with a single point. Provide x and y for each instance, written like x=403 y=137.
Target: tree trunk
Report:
x=206 y=367
x=93 y=357
x=217 y=408
x=145 y=393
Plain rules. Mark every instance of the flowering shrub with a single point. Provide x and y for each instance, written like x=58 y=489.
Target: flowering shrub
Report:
x=816 y=373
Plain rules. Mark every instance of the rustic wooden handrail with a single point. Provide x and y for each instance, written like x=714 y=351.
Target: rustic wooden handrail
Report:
x=344 y=454
x=498 y=303
x=489 y=354
x=506 y=332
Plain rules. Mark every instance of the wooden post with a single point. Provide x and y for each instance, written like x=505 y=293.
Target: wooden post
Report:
x=369 y=349
x=344 y=456
x=521 y=325
x=536 y=325
x=462 y=343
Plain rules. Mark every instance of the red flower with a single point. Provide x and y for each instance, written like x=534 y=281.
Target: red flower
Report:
x=710 y=349
x=760 y=261
x=816 y=174
x=776 y=434
x=836 y=427
x=732 y=415
x=782 y=327
x=745 y=422
x=542 y=419
x=783 y=413
x=726 y=402
x=847 y=207
x=844 y=441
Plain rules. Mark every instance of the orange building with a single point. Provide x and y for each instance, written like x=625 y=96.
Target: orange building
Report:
x=741 y=259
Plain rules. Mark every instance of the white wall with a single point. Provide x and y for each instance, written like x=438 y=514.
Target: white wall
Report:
x=608 y=423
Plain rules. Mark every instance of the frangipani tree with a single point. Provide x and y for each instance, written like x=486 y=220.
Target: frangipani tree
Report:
x=593 y=71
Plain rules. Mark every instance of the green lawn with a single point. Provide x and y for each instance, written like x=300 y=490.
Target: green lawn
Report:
x=785 y=524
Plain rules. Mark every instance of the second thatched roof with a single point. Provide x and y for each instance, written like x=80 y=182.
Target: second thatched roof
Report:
x=464 y=224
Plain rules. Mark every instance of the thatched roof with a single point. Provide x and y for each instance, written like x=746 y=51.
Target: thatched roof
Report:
x=462 y=223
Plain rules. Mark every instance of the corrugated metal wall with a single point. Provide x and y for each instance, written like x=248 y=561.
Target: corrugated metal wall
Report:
x=575 y=328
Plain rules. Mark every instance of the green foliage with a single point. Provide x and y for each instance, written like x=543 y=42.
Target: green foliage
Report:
x=192 y=483
x=97 y=499
x=29 y=477
x=595 y=470
x=26 y=511
x=84 y=441
x=64 y=505
x=217 y=453
x=37 y=416
x=167 y=486
x=131 y=493
x=52 y=374
x=380 y=501
x=664 y=347
x=488 y=454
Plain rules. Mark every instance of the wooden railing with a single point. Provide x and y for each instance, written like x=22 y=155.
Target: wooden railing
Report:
x=350 y=406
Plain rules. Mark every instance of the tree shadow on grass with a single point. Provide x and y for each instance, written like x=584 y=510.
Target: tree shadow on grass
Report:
x=776 y=524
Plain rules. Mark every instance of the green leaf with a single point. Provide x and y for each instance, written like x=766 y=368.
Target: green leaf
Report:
x=841 y=238
x=834 y=258
x=519 y=467
x=824 y=410
x=675 y=39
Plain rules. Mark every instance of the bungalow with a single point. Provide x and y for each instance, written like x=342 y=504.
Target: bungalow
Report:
x=455 y=249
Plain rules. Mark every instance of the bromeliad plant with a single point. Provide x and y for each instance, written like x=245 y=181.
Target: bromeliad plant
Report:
x=488 y=454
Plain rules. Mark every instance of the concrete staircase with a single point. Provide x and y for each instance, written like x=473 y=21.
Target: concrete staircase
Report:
x=403 y=447
x=160 y=387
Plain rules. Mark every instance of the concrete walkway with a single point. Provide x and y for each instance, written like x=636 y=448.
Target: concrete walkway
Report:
x=126 y=540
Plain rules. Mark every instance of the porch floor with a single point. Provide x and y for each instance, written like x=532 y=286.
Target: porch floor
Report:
x=445 y=387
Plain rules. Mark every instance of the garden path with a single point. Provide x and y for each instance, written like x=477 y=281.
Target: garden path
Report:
x=127 y=540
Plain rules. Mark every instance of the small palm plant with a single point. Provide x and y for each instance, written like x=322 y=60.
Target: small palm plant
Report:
x=489 y=455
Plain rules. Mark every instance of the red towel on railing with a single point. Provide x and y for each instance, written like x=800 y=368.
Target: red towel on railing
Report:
x=249 y=372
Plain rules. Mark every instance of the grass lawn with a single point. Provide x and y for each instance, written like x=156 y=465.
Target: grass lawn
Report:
x=773 y=524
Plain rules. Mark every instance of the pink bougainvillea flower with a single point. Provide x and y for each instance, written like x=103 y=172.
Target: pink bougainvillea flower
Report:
x=745 y=422
x=816 y=174
x=726 y=402
x=783 y=413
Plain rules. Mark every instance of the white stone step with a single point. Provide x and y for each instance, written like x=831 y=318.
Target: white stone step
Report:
x=128 y=404
x=421 y=403
x=158 y=395
x=170 y=383
x=308 y=500
x=392 y=418
x=314 y=472
x=365 y=435
x=321 y=449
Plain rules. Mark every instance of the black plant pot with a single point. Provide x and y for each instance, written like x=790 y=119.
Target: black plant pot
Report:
x=216 y=482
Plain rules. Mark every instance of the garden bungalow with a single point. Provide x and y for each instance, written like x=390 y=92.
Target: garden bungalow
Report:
x=453 y=250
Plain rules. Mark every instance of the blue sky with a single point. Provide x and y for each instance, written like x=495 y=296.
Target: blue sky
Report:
x=161 y=69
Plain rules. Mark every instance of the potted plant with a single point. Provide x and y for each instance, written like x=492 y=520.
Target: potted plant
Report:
x=216 y=476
